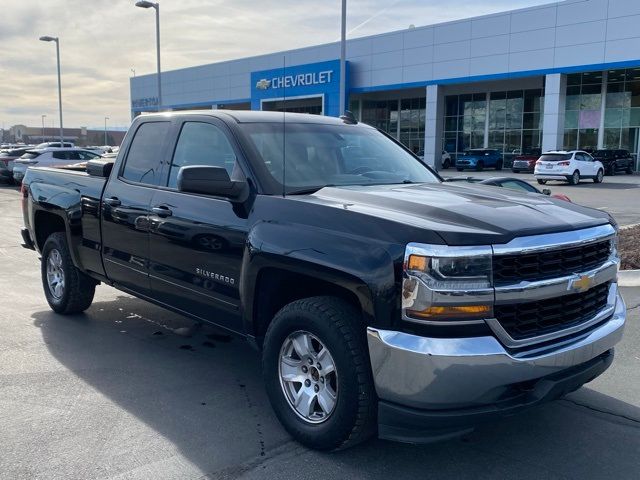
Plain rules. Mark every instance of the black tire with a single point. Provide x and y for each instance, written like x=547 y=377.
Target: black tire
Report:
x=446 y=164
x=499 y=165
x=612 y=170
x=515 y=171
x=78 y=289
x=459 y=169
x=542 y=182
x=338 y=325
x=599 y=176
x=629 y=170
x=480 y=166
x=574 y=179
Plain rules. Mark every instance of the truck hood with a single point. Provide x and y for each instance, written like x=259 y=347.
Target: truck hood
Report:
x=462 y=214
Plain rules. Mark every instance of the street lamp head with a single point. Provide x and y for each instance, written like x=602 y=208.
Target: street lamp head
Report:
x=47 y=38
x=146 y=4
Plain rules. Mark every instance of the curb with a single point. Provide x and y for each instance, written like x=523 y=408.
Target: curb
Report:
x=629 y=278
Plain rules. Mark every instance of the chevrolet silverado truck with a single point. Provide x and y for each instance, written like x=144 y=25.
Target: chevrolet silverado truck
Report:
x=382 y=299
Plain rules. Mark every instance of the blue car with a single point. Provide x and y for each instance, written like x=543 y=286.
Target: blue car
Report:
x=479 y=159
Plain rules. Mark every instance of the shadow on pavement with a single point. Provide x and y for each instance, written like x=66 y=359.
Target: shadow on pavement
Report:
x=203 y=395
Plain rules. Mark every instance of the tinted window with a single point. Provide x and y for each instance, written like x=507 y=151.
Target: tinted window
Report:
x=555 y=157
x=144 y=158
x=30 y=155
x=201 y=144
x=61 y=155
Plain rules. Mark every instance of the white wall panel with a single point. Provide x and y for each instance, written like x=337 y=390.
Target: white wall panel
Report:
x=581 y=11
x=418 y=37
x=490 y=46
x=580 y=33
x=415 y=56
x=452 y=32
x=533 y=19
x=490 y=26
x=452 y=51
x=580 y=55
x=532 y=40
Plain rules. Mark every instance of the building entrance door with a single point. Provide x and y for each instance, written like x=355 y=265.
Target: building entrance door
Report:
x=297 y=105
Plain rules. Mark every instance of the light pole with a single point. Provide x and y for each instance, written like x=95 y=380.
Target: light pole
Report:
x=55 y=39
x=105 y=130
x=343 y=61
x=146 y=4
x=43 y=117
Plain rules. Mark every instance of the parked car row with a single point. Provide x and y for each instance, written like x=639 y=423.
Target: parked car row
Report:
x=14 y=163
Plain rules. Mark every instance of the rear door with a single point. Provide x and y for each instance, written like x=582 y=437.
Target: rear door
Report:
x=125 y=207
x=197 y=241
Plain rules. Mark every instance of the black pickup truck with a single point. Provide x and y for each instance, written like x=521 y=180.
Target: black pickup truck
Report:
x=381 y=299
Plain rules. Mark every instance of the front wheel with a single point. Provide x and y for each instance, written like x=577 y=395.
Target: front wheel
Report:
x=612 y=169
x=542 y=182
x=317 y=373
x=629 y=169
x=66 y=288
x=479 y=166
x=599 y=177
x=499 y=165
x=459 y=169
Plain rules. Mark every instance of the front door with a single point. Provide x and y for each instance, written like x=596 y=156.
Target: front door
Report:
x=125 y=208
x=197 y=241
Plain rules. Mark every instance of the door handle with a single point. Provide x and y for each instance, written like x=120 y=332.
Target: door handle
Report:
x=162 y=211
x=113 y=201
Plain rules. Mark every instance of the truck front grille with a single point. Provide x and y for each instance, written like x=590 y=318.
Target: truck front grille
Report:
x=532 y=319
x=512 y=269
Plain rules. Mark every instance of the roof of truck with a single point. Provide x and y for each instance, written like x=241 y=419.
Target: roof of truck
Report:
x=254 y=116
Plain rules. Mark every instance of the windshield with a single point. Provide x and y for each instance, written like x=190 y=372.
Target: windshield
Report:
x=477 y=152
x=30 y=155
x=555 y=157
x=318 y=155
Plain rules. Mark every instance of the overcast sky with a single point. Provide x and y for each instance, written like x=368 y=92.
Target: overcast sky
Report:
x=102 y=40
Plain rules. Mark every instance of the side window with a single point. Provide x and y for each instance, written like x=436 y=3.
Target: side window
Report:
x=60 y=155
x=86 y=155
x=73 y=155
x=201 y=144
x=143 y=160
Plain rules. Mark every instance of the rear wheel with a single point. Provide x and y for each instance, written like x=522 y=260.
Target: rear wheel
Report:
x=599 y=177
x=629 y=169
x=480 y=166
x=317 y=375
x=574 y=179
x=515 y=171
x=612 y=169
x=66 y=288
x=459 y=169
x=542 y=182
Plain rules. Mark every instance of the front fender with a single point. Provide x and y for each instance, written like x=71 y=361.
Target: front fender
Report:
x=362 y=266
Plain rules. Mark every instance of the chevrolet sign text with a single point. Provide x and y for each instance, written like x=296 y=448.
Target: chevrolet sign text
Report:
x=302 y=79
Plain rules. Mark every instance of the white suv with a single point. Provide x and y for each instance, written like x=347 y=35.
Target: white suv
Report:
x=568 y=166
x=49 y=157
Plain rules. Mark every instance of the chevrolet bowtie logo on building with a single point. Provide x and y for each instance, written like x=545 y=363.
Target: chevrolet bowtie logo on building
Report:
x=581 y=284
x=263 y=84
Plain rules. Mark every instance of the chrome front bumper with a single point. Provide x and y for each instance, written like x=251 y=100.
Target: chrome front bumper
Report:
x=449 y=373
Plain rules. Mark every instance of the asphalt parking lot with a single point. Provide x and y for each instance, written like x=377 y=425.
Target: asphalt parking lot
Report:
x=122 y=391
x=618 y=195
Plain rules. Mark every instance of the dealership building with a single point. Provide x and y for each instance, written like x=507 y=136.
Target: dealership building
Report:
x=564 y=75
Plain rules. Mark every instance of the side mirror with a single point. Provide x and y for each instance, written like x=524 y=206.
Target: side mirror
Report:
x=211 y=181
x=99 y=167
x=546 y=191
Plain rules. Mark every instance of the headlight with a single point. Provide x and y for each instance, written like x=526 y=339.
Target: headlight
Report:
x=447 y=283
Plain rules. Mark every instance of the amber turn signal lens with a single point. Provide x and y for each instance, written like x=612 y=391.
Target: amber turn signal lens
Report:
x=417 y=262
x=463 y=311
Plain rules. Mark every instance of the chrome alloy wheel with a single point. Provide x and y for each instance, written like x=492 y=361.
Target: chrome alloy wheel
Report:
x=308 y=377
x=55 y=274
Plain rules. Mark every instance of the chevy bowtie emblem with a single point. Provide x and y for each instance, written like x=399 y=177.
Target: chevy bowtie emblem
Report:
x=263 y=84
x=581 y=284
